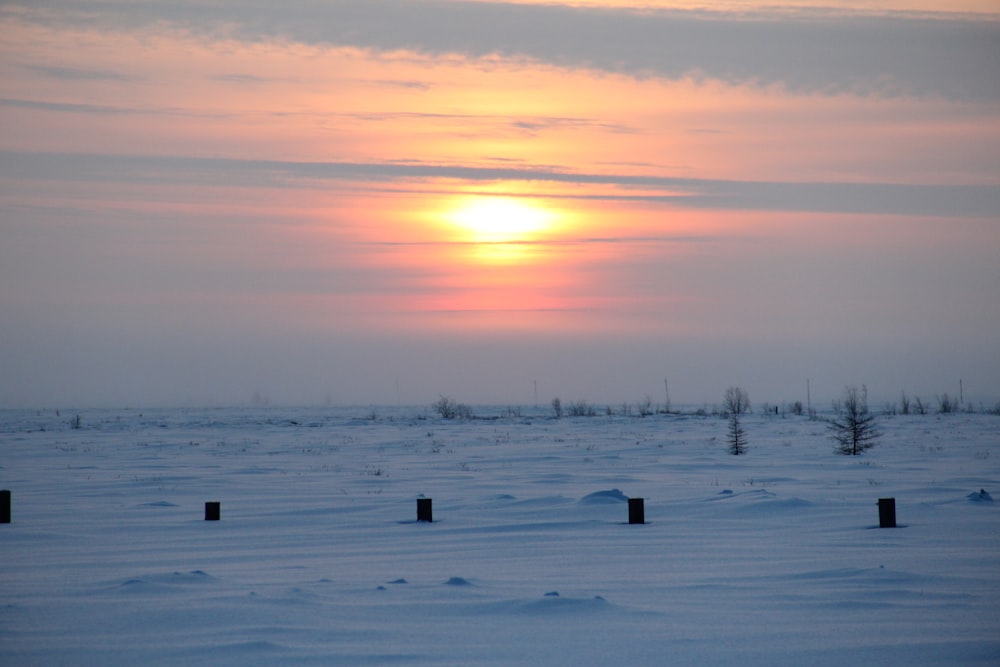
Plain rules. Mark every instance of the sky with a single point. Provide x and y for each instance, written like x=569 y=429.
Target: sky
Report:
x=385 y=201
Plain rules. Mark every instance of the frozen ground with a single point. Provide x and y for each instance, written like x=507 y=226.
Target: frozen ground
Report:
x=773 y=558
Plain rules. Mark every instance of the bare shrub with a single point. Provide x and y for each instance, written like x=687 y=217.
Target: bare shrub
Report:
x=854 y=429
x=736 y=401
x=947 y=405
x=581 y=409
x=450 y=409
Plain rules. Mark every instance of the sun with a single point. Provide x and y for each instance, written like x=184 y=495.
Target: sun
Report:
x=497 y=219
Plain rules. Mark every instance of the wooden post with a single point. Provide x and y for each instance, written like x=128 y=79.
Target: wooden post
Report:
x=886 y=512
x=424 y=512
x=636 y=511
x=213 y=511
x=5 y=506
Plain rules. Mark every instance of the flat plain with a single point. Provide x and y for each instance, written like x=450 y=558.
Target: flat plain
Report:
x=774 y=557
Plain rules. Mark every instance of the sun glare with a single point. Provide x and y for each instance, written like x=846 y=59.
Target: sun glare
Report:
x=492 y=219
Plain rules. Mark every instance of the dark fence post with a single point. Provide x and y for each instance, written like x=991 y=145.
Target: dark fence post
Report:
x=424 y=512
x=5 y=506
x=636 y=511
x=886 y=512
x=213 y=511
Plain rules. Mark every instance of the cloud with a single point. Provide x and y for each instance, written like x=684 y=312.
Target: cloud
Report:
x=71 y=107
x=240 y=78
x=552 y=243
x=826 y=197
x=501 y=125
x=77 y=73
x=411 y=85
x=529 y=125
x=99 y=109
x=806 y=51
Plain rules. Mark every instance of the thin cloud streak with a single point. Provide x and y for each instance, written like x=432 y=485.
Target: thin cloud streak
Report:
x=530 y=125
x=710 y=194
x=101 y=109
x=77 y=73
x=552 y=243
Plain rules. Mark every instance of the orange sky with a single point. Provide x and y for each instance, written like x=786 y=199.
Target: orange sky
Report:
x=541 y=170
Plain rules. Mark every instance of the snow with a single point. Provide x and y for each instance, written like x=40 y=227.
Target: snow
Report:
x=772 y=558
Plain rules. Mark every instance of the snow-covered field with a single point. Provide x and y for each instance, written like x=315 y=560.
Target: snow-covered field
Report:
x=773 y=558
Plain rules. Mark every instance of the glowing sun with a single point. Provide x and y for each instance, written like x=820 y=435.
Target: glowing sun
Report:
x=494 y=219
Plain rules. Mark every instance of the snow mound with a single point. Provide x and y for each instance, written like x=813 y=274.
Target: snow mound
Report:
x=981 y=496
x=164 y=583
x=758 y=494
x=553 y=603
x=458 y=581
x=602 y=497
x=759 y=501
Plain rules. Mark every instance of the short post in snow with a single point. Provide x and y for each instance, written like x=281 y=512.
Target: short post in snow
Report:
x=424 y=511
x=636 y=511
x=886 y=512
x=213 y=511
x=5 y=506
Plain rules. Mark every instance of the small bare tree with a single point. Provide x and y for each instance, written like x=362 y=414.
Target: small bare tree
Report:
x=736 y=401
x=854 y=429
x=736 y=436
